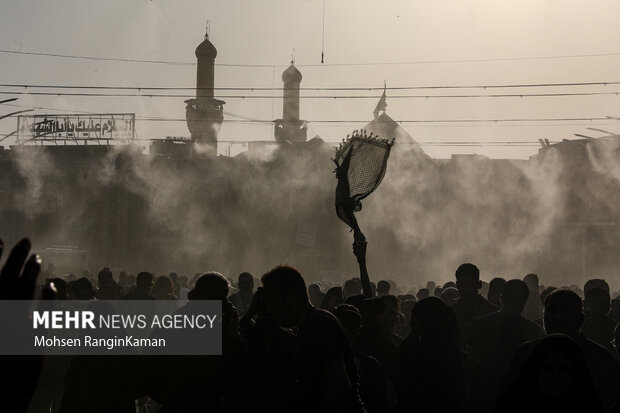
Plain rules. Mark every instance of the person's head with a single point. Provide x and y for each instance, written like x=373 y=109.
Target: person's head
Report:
x=162 y=287
x=210 y=286
x=468 y=280
x=350 y=318
x=81 y=289
x=383 y=288
x=596 y=301
x=245 y=282
x=286 y=294
x=495 y=290
x=531 y=280
x=144 y=281
x=422 y=293
x=514 y=296
x=314 y=288
x=183 y=281
x=563 y=313
x=352 y=287
x=369 y=308
x=433 y=320
x=595 y=283
x=449 y=284
x=122 y=277
x=105 y=278
x=450 y=296
x=332 y=298
x=61 y=288
x=430 y=286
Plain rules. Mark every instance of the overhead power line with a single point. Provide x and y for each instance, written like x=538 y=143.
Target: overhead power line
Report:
x=359 y=88
x=415 y=62
x=243 y=97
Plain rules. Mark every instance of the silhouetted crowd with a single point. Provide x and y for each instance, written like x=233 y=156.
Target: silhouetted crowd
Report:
x=289 y=346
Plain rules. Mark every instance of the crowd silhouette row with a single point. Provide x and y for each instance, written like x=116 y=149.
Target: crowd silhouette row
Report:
x=290 y=346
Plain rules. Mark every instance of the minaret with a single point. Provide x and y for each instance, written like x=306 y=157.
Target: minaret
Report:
x=290 y=128
x=205 y=114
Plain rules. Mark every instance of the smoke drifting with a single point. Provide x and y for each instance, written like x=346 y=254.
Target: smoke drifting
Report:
x=553 y=215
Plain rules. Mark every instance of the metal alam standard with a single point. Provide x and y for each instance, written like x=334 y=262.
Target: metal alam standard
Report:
x=361 y=162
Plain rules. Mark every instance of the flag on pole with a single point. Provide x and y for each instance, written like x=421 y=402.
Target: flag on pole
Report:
x=361 y=162
x=382 y=104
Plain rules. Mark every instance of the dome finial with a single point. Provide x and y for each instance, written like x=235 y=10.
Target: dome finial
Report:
x=207 y=29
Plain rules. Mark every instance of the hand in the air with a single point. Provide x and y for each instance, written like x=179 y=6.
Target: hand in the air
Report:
x=19 y=274
x=19 y=374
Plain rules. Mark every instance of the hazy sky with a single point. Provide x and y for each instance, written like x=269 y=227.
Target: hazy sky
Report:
x=264 y=32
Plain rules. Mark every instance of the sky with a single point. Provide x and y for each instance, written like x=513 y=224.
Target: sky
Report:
x=404 y=43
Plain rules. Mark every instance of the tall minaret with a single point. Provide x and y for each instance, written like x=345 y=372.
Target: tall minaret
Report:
x=290 y=128
x=205 y=114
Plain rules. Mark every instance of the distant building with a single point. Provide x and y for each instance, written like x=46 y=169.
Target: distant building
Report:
x=205 y=114
x=290 y=129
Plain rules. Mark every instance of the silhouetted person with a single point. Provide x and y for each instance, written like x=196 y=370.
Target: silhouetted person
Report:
x=163 y=288
x=378 y=340
x=352 y=287
x=563 y=314
x=142 y=291
x=595 y=283
x=201 y=383
x=61 y=288
x=422 y=293
x=315 y=294
x=327 y=376
x=450 y=296
x=243 y=298
x=373 y=387
x=108 y=288
x=491 y=342
x=470 y=305
x=449 y=284
x=383 y=288
x=533 y=309
x=495 y=291
x=183 y=290
x=333 y=297
x=272 y=358
x=81 y=289
x=122 y=280
x=131 y=282
x=430 y=364
x=597 y=326
x=555 y=378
